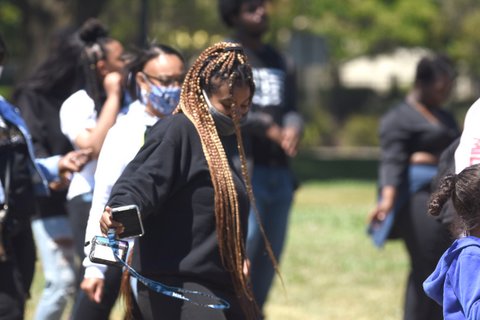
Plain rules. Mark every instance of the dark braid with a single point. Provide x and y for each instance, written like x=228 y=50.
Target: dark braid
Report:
x=222 y=63
x=95 y=37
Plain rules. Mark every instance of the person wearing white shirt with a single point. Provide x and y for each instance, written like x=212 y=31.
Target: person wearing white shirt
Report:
x=468 y=151
x=85 y=118
x=155 y=77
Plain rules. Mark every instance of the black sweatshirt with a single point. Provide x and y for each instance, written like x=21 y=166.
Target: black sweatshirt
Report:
x=170 y=182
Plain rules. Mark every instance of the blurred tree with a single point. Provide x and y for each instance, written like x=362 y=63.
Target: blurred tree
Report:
x=27 y=25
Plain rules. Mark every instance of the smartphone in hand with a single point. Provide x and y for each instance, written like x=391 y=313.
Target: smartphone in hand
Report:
x=129 y=217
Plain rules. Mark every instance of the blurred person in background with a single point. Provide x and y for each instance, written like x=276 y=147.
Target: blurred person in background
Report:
x=22 y=179
x=39 y=98
x=85 y=118
x=155 y=75
x=413 y=134
x=272 y=134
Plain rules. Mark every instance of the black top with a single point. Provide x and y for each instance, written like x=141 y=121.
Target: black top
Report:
x=170 y=182
x=41 y=114
x=274 y=101
x=13 y=149
x=403 y=131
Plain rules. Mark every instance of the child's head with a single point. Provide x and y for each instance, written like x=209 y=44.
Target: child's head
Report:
x=464 y=190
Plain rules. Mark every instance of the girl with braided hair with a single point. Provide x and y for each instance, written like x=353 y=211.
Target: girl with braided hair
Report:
x=455 y=283
x=193 y=201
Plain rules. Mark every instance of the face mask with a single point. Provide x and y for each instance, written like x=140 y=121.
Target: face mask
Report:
x=224 y=123
x=163 y=99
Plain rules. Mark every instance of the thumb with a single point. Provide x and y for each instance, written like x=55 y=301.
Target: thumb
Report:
x=97 y=295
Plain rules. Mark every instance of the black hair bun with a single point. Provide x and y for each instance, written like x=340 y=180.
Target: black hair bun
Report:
x=92 y=30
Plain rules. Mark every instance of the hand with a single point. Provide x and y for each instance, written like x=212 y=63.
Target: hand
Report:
x=290 y=141
x=69 y=163
x=380 y=212
x=113 y=84
x=74 y=161
x=93 y=287
x=106 y=222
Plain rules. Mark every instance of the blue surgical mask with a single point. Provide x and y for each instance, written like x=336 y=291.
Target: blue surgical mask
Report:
x=163 y=99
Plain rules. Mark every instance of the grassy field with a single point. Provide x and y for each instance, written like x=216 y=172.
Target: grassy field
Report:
x=330 y=268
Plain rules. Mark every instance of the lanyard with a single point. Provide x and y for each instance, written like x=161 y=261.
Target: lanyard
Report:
x=213 y=302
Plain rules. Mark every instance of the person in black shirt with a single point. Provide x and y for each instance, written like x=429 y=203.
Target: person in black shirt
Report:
x=412 y=138
x=194 y=203
x=272 y=133
x=39 y=98
x=22 y=178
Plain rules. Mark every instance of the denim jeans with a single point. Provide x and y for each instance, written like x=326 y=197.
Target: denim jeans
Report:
x=273 y=188
x=58 y=264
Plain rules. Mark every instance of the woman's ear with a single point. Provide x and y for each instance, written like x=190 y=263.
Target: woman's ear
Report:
x=141 y=81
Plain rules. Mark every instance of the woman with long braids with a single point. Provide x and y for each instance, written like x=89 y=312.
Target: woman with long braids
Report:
x=194 y=203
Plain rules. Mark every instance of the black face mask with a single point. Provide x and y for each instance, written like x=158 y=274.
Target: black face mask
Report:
x=223 y=123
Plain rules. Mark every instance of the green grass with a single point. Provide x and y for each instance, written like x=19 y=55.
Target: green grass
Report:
x=330 y=268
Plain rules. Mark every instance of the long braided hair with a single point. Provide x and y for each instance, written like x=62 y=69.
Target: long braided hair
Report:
x=222 y=63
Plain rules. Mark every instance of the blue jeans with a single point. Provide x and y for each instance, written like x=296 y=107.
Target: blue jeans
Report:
x=273 y=188
x=54 y=240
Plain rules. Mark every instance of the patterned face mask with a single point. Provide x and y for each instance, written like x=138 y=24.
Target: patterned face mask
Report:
x=163 y=99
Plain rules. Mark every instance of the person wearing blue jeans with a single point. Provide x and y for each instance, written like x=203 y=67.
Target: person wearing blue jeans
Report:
x=53 y=237
x=271 y=133
x=273 y=191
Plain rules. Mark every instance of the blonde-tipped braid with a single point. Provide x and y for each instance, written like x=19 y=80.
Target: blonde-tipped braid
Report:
x=218 y=63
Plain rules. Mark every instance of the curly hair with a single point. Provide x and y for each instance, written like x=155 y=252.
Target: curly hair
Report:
x=463 y=189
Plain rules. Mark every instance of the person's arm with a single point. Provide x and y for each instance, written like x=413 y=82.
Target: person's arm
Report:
x=93 y=137
x=79 y=121
x=394 y=141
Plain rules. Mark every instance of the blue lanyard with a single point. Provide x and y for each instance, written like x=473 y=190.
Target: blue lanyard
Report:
x=174 y=292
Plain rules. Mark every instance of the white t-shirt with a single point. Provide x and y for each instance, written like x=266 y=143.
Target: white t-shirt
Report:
x=468 y=151
x=77 y=114
x=121 y=145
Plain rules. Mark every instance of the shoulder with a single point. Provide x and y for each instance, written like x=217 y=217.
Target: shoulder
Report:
x=80 y=97
x=176 y=127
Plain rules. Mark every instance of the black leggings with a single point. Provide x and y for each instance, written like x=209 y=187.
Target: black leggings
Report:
x=84 y=308
x=426 y=240
x=16 y=274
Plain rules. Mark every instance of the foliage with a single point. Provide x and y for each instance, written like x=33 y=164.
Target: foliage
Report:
x=360 y=130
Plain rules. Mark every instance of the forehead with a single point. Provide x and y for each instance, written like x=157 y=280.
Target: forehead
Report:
x=164 y=64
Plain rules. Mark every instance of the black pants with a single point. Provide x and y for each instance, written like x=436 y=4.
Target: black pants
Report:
x=156 y=306
x=426 y=240
x=83 y=308
x=16 y=274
